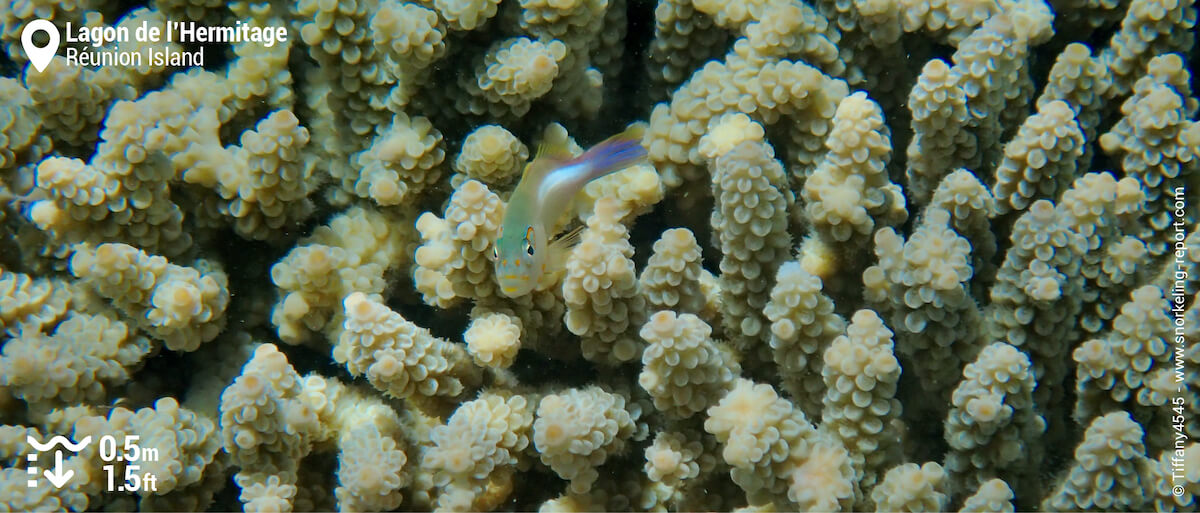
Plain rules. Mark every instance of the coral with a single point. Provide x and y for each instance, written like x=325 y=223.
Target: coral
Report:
x=940 y=141
x=370 y=469
x=1105 y=473
x=860 y=374
x=267 y=494
x=496 y=430
x=73 y=105
x=493 y=340
x=122 y=194
x=682 y=41
x=20 y=123
x=882 y=255
x=971 y=207
x=186 y=443
x=922 y=286
x=1082 y=81
x=750 y=220
x=404 y=159
x=803 y=324
x=577 y=430
x=491 y=155
x=726 y=132
x=28 y=304
x=452 y=261
x=85 y=358
x=775 y=453
x=265 y=426
x=267 y=188
x=397 y=356
x=849 y=189
x=182 y=306
x=682 y=368
x=1167 y=497
x=992 y=496
x=349 y=254
x=989 y=62
x=600 y=288
x=637 y=189
x=1149 y=28
x=1156 y=142
x=912 y=487
x=512 y=74
x=671 y=279
x=1121 y=363
x=1040 y=159
x=789 y=88
x=1037 y=287
x=992 y=422
x=465 y=14
x=412 y=39
x=674 y=458
x=1097 y=205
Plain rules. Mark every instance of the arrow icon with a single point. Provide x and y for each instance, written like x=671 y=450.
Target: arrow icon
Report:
x=58 y=478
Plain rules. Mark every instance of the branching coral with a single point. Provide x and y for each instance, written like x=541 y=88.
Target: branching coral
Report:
x=892 y=256
x=683 y=370
x=577 y=430
x=922 y=285
x=750 y=221
x=182 y=306
x=604 y=306
x=398 y=357
x=479 y=447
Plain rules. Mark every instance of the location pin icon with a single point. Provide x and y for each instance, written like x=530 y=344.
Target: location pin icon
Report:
x=40 y=57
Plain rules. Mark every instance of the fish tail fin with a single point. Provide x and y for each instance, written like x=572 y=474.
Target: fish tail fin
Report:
x=615 y=153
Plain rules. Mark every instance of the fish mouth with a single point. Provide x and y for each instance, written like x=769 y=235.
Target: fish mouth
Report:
x=512 y=285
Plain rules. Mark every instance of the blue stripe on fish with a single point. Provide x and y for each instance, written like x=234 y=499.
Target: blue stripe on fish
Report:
x=614 y=154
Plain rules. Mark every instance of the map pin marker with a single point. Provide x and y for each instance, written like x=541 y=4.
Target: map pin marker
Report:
x=40 y=57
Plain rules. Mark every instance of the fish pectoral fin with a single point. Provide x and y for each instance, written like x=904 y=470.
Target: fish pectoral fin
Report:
x=567 y=240
x=559 y=250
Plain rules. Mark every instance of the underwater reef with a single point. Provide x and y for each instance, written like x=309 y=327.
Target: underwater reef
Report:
x=911 y=255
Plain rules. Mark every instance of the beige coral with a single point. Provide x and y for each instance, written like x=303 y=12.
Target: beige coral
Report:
x=750 y=220
x=85 y=358
x=402 y=161
x=453 y=261
x=398 y=357
x=861 y=372
x=493 y=340
x=577 y=430
x=671 y=279
x=683 y=369
x=912 y=487
x=492 y=155
x=600 y=288
x=512 y=74
x=803 y=324
x=349 y=254
x=371 y=470
x=182 y=306
x=479 y=448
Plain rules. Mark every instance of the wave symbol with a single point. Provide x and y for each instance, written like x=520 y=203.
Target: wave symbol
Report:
x=57 y=440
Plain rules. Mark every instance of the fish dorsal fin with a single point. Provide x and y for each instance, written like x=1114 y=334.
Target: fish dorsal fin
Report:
x=554 y=148
x=552 y=153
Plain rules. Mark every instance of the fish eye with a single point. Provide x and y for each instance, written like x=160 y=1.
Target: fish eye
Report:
x=528 y=248
x=495 y=253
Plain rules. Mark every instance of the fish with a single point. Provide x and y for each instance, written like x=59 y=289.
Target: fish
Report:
x=524 y=254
